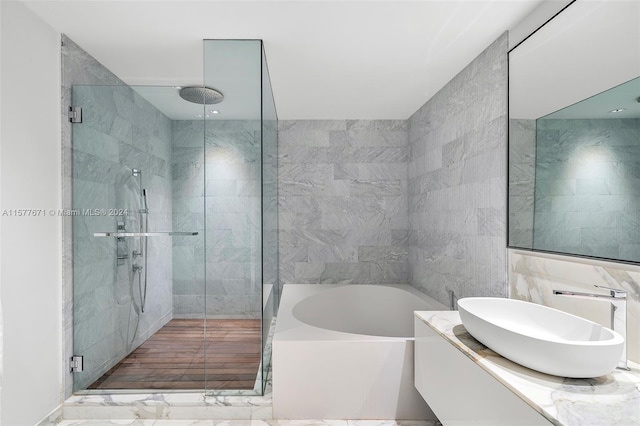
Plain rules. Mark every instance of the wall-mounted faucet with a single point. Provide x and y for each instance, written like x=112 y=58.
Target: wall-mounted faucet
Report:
x=618 y=300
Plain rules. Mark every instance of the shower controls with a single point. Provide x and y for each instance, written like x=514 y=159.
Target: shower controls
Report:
x=121 y=246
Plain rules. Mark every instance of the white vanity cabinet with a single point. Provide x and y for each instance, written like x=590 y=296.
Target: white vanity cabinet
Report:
x=459 y=391
x=466 y=383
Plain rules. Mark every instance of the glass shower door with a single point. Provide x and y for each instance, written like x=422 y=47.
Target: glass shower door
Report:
x=123 y=241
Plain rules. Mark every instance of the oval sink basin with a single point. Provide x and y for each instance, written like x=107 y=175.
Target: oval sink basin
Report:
x=542 y=338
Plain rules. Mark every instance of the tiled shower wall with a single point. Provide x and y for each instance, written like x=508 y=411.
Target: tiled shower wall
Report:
x=120 y=131
x=187 y=164
x=457 y=183
x=223 y=176
x=342 y=189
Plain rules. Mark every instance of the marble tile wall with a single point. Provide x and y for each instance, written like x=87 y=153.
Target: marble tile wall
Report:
x=342 y=191
x=522 y=174
x=534 y=276
x=223 y=177
x=457 y=183
x=587 y=187
x=120 y=131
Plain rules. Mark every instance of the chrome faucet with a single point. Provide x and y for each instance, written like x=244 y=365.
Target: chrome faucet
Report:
x=618 y=300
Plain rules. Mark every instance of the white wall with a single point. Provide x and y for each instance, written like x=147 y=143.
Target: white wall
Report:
x=30 y=178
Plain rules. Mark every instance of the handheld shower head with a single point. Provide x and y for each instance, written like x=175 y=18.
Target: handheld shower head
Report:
x=144 y=201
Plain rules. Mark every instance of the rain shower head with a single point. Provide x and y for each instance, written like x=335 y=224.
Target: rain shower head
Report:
x=201 y=95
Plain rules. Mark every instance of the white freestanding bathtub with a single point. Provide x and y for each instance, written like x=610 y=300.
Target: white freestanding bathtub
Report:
x=346 y=352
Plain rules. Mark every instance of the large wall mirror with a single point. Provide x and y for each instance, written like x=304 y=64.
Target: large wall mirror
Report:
x=574 y=133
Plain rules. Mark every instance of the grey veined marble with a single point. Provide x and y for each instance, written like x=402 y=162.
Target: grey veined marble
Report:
x=457 y=183
x=342 y=188
x=216 y=191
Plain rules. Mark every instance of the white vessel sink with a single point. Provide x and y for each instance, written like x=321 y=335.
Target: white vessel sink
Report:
x=542 y=338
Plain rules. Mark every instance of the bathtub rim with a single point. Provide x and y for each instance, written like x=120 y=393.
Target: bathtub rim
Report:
x=290 y=328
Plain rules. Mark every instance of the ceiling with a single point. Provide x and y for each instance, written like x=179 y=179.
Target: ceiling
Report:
x=327 y=59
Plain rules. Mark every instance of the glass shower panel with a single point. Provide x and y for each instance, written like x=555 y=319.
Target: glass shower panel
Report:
x=174 y=222
x=270 y=286
x=233 y=215
x=125 y=214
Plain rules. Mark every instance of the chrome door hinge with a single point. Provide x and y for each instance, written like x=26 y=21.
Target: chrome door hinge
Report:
x=75 y=114
x=76 y=364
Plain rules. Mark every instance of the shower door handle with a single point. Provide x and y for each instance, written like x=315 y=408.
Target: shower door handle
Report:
x=143 y=234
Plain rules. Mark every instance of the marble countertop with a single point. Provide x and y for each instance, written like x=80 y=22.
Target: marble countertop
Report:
x=607 y=400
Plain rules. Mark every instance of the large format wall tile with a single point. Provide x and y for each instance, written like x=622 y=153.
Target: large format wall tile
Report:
x=457 y=183
x=342 y=188
x=216 y=191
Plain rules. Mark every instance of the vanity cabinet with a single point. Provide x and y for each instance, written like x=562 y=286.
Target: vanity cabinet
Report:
x=459 y=391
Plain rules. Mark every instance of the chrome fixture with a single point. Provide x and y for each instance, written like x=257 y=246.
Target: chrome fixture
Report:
x=143 y=215
x=144 y=201
x=76 y=364
x=121 y=245
x=143 y=292
x=618 y=300
x=75 y=114
x=144 y=234
x=453 y=301
x=201 y=95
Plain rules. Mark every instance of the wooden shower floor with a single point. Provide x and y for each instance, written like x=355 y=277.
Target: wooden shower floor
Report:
x=176 y=357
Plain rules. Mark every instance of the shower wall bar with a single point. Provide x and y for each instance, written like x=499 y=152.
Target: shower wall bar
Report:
x=143 y=234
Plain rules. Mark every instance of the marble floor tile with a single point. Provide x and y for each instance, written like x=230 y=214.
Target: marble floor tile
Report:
x=298 y=423
x=139 y=422
x=136 y=422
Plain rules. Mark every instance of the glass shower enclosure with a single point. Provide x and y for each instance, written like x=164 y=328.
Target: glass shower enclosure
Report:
x=175 y=261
